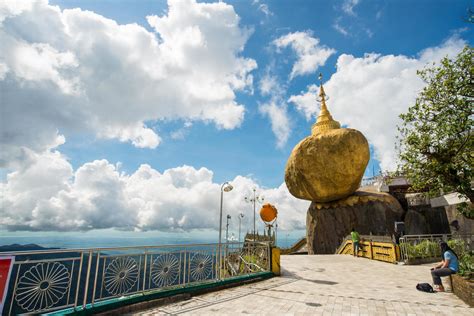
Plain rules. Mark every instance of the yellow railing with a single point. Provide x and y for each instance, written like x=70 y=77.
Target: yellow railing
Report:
x=295 y=248
x=382 y=251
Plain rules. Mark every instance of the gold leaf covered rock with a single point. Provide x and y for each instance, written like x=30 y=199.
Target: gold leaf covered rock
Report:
x=329 y=164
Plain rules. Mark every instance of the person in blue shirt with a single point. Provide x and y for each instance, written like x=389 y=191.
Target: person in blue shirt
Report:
x=449 y=265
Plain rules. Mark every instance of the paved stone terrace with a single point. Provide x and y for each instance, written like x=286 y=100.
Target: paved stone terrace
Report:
x=328 y=285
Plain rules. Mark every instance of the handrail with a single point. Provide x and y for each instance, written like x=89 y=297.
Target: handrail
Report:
x=414 y=247
x=375 y=238
x=425 y=235
x=295 y=247
x=23 y=252
x=386 y=251
x=84 y=276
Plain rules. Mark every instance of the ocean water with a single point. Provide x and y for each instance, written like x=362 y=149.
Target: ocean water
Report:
x=94 y=242
x=61 y=240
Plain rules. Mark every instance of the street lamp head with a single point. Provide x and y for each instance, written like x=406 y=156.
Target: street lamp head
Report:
x=241 y=215
x=227 y=187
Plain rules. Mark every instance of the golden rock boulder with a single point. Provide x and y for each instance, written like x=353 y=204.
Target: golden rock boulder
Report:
x=329 y=164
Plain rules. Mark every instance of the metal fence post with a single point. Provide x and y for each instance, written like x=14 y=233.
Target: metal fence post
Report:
x=86 y=288
x=14 y=290
x=216 y=270
x=78 y=279
x=269 y=248
x=95 y=277
x=144 y=270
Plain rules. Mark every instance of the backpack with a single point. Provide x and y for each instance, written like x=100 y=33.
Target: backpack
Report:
x=424 y=287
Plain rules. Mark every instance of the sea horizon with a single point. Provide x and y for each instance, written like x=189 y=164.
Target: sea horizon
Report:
x=75 y=241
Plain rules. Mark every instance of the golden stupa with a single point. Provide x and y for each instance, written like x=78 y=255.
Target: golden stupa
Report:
x=329 y=164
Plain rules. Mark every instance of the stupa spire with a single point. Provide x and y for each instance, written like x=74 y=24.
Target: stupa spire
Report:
x=324 y=121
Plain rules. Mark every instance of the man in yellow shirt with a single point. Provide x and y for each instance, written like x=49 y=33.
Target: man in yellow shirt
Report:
x=355 y=242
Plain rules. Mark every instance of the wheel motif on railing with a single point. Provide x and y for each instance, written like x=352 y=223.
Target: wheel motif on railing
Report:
x=121 y=275
x=200 y=266
x=165 y=270
x=42 y=286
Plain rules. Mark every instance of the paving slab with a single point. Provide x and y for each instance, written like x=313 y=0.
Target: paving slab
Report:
x=327 y=285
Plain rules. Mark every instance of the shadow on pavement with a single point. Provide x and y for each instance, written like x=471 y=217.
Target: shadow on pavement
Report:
x=290 y=275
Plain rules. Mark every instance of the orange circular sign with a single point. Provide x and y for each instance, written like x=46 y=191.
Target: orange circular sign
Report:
x=268 y=212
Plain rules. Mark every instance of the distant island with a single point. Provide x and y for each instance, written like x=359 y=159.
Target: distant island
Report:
x=18 y=247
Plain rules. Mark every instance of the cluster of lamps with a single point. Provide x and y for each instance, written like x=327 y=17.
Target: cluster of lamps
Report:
x=268 y=214
x=227 y=187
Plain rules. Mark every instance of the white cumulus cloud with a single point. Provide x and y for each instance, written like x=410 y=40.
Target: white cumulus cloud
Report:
x=66 y=72
x=370 y=92
x=310 y=55
x=276 y=108
x=277 y=113
x=309 y=52
x=46 y=194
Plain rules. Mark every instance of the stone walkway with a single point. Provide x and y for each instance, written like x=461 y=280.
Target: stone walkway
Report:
x=328 y=285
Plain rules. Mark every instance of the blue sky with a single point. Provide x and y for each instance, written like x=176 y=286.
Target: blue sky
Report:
x=385 y=27
x=90 y=99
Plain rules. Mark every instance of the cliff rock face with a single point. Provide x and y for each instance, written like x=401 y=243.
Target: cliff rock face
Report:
x=415 y=223
x=458 y=223
x=327 y=166
x=426 y=220
x=327 y=225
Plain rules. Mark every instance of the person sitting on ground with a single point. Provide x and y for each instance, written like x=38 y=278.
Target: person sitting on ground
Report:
x=355 y=242
x=449 y=265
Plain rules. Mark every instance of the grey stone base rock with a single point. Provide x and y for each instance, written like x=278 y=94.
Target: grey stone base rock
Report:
x=426 y=220
x=327 y=227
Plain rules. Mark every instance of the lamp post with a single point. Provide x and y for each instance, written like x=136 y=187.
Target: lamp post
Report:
x=241 y=215
x=227 y=228
x=226 y=187
x=256 y=198
x=276 y=233
x=227 y=236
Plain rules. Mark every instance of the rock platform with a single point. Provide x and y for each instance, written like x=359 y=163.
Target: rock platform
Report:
x=368 y=212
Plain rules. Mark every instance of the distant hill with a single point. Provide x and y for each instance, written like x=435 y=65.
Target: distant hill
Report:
x=18 y=247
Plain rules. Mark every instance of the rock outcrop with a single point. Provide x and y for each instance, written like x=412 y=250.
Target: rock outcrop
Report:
x=327 y=166
x=367 y=212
